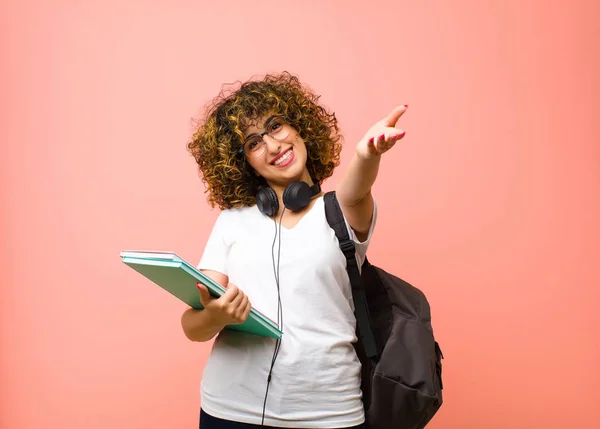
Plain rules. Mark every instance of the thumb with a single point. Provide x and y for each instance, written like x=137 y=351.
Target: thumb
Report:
x=204 y=294
x=391 y=119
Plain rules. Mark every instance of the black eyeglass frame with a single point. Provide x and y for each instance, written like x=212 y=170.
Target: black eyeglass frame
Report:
x=261 y=135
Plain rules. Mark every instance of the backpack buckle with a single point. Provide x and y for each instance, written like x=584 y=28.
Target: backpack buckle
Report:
x=348 y=248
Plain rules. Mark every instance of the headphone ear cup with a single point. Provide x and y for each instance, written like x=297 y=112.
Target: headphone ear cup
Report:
x=267 y=201
x=297 y=195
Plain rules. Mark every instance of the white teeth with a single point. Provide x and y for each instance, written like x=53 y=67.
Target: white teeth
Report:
x=284 y=157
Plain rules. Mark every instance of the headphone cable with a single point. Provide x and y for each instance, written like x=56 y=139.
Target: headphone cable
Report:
x=279 y=308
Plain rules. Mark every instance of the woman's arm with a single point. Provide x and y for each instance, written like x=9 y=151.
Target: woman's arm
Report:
x=233 y=307
x=354 y=189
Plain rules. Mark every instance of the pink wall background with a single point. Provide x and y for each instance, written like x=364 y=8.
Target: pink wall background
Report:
x=491 y=204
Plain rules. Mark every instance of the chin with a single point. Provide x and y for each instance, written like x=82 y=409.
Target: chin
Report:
x=284 y=178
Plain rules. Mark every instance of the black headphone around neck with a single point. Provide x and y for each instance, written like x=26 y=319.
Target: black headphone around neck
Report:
x=296 y=196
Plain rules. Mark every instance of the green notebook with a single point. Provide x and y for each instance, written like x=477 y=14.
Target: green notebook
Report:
x=179 y=278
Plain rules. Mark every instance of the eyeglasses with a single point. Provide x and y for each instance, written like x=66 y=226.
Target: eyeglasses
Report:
x=276 y=128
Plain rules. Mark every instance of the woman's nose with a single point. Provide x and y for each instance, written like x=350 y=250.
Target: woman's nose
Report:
x=273 y=146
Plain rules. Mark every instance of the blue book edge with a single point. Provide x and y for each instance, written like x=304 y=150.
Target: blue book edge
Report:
x=171 y=259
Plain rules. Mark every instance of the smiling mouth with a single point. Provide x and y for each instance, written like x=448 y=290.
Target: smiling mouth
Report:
x=281 y=159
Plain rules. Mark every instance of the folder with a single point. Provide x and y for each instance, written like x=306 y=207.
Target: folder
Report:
x=179 y=278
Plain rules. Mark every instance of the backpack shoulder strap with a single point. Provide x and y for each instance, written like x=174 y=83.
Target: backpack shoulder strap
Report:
x=335 y=218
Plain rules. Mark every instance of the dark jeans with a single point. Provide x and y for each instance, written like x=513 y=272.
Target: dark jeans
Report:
x=210 y=422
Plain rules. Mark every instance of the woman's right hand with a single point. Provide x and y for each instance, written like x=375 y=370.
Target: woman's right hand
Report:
x=231 y=308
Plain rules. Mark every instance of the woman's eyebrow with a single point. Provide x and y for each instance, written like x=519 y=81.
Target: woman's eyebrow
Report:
x=267 y=123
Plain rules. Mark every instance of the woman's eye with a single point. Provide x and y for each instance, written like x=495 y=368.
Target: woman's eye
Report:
x=275 y=126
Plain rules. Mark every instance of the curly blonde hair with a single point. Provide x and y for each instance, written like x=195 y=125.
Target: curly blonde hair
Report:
x=215 y=144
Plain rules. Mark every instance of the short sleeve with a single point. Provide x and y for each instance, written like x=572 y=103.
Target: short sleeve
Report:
x=216 y=250
x=362 y=246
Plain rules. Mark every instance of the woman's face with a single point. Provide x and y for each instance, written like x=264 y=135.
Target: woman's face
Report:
x=276 y=152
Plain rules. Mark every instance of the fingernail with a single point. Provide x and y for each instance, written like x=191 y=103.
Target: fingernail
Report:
x=198 y=285
x=402 y=135
x=406 y=105
x=381 y=137
x=371 y=140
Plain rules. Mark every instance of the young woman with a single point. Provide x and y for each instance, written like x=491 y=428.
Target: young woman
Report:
x=263 y=151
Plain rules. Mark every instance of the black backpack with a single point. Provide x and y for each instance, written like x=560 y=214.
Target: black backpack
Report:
x=401 y=361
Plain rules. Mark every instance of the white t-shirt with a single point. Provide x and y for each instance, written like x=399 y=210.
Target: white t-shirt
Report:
x=316 y=376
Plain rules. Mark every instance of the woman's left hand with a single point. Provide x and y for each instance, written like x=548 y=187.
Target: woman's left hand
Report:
x=382 y=136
